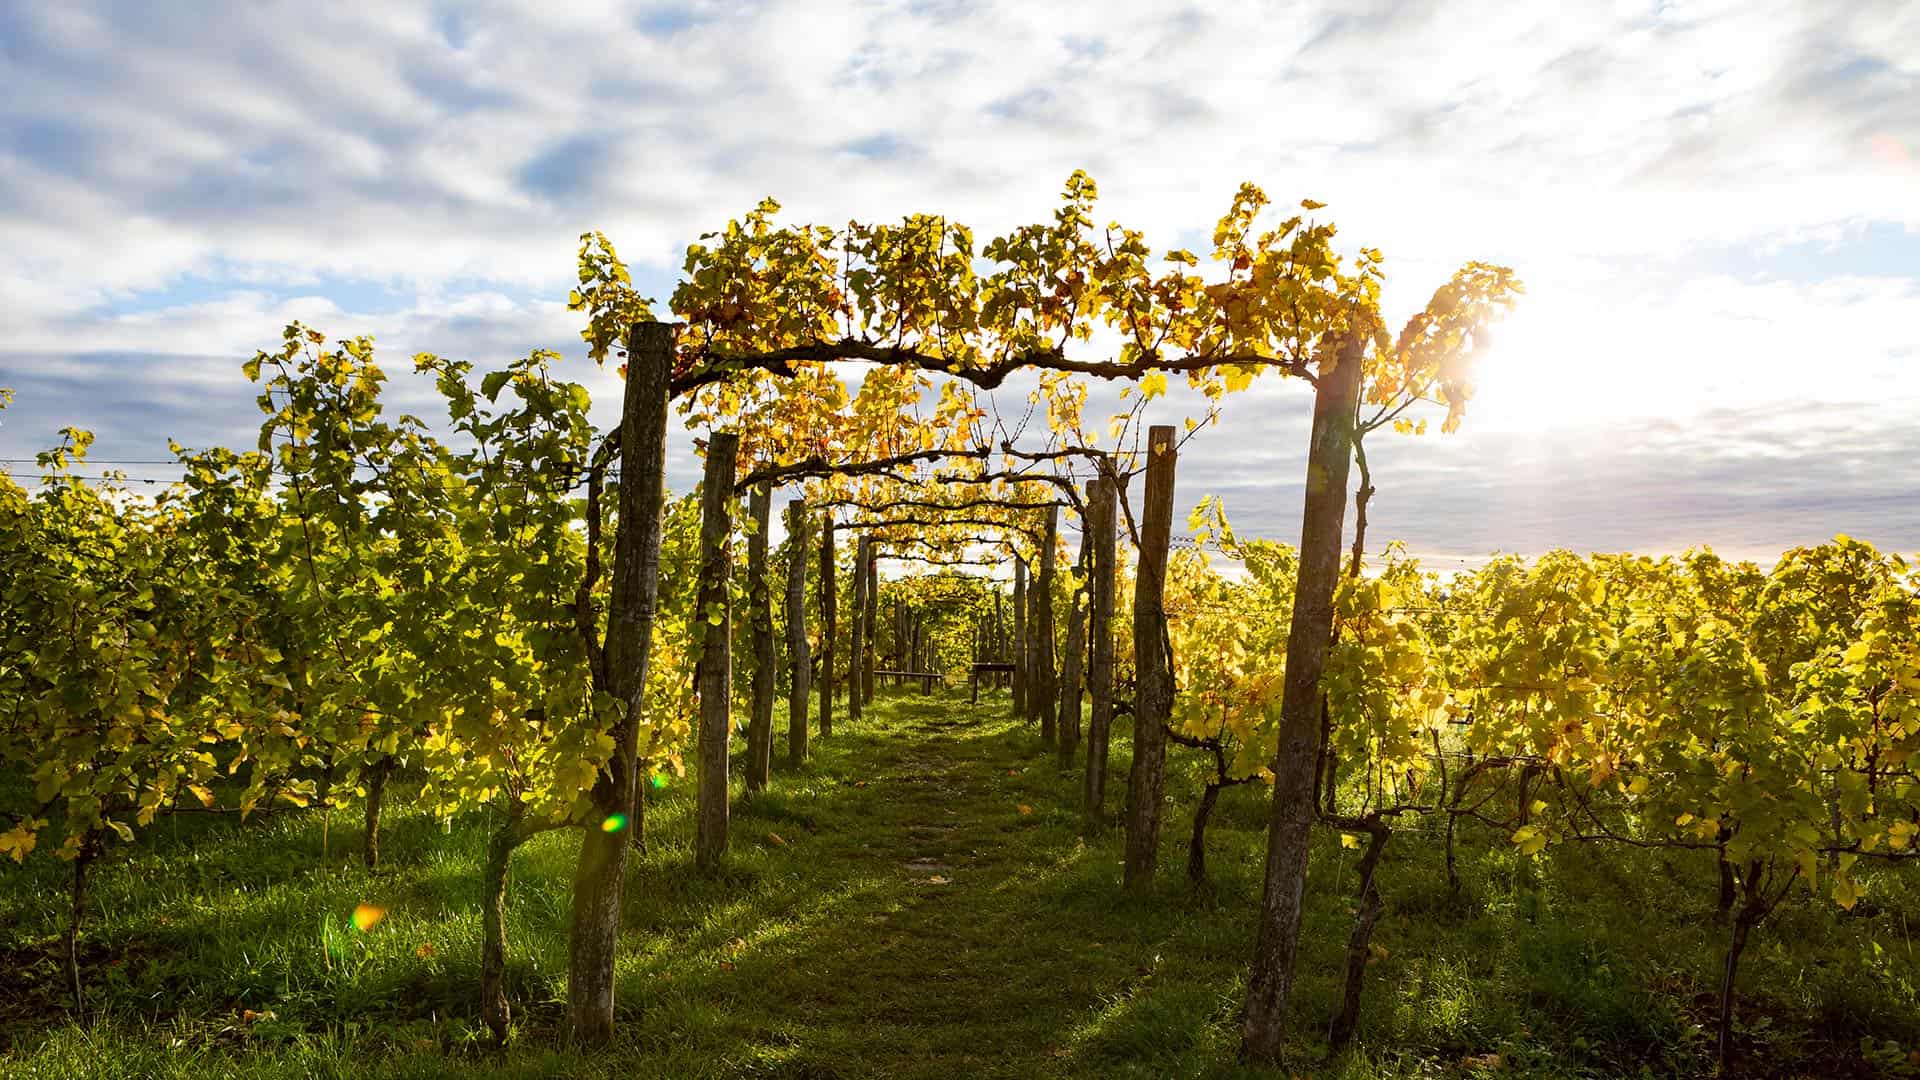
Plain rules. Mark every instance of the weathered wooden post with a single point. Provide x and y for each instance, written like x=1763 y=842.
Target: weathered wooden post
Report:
x=1045 y=699
x=1101 y=523
x=923 y=644
x=999 y=637
x=1070 y=665
x=1153 y=698
x=858 y=658
x=902 y=637
x=871 y=615
x=760 y=599
x=829 y=625
x=594 y=919
x=1019 y=649
x=973 y=668
x=1329 y=457
x=798 y=661
x=713 y=672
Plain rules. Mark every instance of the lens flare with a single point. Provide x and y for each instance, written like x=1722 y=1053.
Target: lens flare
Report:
x=614 y=823
x=1889 y=149
x=366 y=915
x=659 y=781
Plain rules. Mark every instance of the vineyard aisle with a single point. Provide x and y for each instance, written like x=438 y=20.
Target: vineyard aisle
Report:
x=919 y=901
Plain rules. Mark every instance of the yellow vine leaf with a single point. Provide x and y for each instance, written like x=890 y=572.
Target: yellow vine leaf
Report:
x=1845 y=892
x=18 y=842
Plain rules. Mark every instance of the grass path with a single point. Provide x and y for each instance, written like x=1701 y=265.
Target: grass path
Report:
x=972 y=930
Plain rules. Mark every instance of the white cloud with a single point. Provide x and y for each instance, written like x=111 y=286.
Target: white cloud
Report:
x=283 y=162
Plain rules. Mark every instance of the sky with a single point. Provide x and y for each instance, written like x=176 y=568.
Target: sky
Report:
x=1715 y=208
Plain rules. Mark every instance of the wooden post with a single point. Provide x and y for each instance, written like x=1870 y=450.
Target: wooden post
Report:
x=760 y=594
x=902 y=638
x=871 y=616
x=713 y=672
x=998 y=638
x=594 y=919
x=859 y=627
x=1035 y=691
x=1046 y=696
x=973 y=670
x=1019 y=649
x=1101 y=523
x=1153 y=698
x=923 y=641
x=1329 y=455
x=798 y=661
x=1076 y=642
x=829 y=624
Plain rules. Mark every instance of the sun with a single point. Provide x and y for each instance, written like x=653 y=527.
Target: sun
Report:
x=1552 y=368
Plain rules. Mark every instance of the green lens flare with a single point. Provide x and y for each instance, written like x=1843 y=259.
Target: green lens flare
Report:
x=614 y=823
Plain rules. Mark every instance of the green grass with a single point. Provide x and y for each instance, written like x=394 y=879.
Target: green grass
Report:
x=911 y=920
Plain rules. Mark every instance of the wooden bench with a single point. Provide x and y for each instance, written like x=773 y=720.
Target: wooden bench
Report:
x=983 y=668
x=925 y=678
